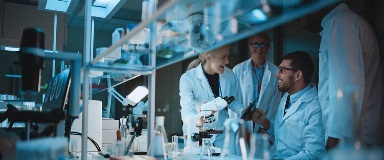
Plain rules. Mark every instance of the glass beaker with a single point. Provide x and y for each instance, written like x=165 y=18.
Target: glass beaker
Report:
x=206 y=151
x=174 y=147
x=259 y=146
x=237 y=138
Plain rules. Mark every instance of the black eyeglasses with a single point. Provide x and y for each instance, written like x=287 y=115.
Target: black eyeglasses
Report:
x=256 y=45
x=281 y=69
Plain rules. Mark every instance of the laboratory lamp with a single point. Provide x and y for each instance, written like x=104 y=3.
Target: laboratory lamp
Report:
x=133 y=98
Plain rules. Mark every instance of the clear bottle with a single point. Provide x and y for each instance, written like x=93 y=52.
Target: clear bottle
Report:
x=116 y=35
x=159 y=145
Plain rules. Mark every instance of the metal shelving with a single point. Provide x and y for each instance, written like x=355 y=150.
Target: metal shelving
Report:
x=189 y=27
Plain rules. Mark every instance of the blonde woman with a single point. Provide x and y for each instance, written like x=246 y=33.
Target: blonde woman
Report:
x=207 y=78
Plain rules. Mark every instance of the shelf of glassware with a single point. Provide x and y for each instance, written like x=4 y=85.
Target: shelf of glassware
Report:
x=185 y=28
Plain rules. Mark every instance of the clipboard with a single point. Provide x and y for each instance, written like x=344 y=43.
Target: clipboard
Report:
x=248 y=111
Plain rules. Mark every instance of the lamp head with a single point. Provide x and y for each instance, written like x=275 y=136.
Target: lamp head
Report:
x=136 y=95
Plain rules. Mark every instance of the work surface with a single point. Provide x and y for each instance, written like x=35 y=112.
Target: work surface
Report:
x=184 y=157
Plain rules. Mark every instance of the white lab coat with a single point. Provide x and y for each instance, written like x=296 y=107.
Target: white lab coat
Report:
x=299 y=134
x=195 y=90
x=349 y=57
x=269 y=97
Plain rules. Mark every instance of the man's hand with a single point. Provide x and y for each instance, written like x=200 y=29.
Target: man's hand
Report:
x=331 y=143
x=258 y=116
x=247 y=115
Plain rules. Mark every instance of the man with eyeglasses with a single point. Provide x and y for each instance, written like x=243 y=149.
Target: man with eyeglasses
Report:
x=257 y=82
x=298 y=127
x=349 y=62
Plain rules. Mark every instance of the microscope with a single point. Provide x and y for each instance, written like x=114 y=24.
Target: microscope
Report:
x=195 y=133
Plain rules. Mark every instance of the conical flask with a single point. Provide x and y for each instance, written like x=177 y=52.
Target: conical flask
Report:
x=159 y=145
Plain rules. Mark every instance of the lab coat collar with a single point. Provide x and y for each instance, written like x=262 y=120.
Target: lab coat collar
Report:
x=203 y=79
x=331 y=14
x=205 y=83
x=306 y=97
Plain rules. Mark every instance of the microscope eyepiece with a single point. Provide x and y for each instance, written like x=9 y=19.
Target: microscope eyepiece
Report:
x=229 y=99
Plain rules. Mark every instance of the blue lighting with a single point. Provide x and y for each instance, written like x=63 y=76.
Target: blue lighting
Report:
x=106 y=8
x=259 y=15
x=101 y=3
x=66 y=6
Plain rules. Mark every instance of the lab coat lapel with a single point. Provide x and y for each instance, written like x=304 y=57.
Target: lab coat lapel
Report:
x=248 y=73
x=203 y=80
x=292 y=109
x=223 y=83
x=280 y=112
x=264 y=84
x=307 y=96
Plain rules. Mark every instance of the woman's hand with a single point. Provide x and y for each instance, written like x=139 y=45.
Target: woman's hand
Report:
x=200 y=122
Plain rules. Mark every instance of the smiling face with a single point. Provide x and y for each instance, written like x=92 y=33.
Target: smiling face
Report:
x=215 y=63
x=259 y=48
x=286 y=77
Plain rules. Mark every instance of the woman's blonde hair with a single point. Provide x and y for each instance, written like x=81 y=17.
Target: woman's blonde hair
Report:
x=203 y=56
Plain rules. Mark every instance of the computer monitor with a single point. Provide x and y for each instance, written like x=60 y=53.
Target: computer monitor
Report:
x=57 y=91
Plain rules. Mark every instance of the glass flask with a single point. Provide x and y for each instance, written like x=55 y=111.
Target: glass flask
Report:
x=206 y=152
x=159 y=145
